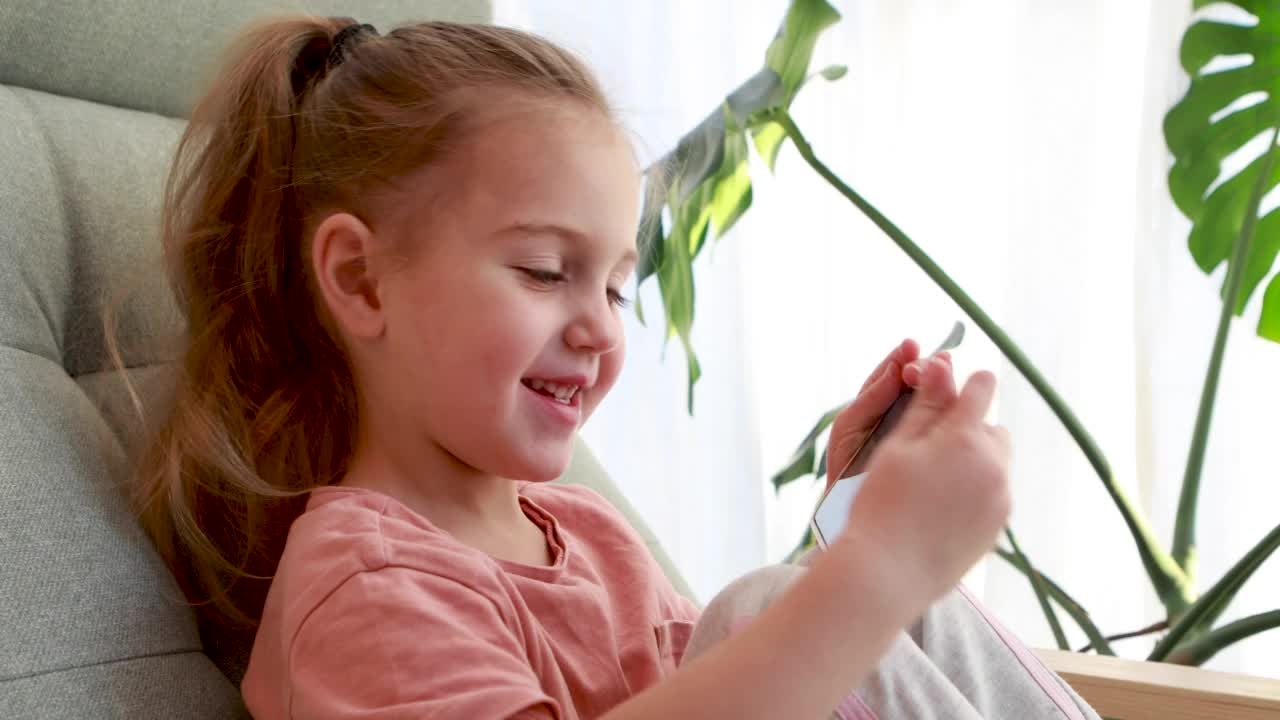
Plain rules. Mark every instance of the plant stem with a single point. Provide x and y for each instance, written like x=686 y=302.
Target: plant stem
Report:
x=1167 y=578
x=1066 y=602
x=1184 y=528
x=1037 y=586
x=1198 y=651
x=1214 y=602
x=1154 y=627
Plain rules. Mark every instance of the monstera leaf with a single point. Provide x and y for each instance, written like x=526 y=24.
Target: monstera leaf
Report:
x=1221 y=112
x=705 y=184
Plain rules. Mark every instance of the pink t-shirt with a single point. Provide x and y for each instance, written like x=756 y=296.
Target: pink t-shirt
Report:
x=375 y=613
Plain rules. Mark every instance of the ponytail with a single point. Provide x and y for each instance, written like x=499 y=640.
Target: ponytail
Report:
x=245 y=437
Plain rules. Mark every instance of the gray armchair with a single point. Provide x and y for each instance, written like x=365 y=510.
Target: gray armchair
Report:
x=91 y=100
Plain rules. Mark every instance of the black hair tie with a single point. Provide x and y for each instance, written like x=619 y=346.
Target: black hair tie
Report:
x=345 y=37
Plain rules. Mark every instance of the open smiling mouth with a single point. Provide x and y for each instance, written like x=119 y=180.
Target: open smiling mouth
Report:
x=563 y=394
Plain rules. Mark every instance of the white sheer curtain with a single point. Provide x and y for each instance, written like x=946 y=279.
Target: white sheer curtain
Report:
x=1019 y=143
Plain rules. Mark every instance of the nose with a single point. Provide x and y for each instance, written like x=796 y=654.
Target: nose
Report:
x=595 y=327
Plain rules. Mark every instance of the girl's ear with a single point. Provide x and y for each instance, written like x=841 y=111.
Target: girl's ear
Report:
x=340 y=258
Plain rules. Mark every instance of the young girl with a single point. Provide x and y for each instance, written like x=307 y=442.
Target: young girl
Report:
x=401 y=259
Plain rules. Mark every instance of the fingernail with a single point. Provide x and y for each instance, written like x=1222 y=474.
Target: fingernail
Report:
x=915 y=367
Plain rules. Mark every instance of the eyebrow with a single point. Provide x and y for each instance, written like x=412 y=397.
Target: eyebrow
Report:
x=562 y=231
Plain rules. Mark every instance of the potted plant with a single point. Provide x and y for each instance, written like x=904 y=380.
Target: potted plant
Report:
x=703 y=187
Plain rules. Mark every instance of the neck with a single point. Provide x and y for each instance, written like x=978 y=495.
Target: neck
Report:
x=429 y=480
x=477 y=508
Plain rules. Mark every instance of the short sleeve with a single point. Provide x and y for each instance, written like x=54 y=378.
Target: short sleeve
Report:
x=399 y=643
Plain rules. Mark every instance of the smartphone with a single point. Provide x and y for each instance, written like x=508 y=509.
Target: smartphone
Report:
x=832 y=513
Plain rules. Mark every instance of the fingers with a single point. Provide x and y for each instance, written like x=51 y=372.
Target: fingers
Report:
x=975 y=399
x=937 y=377
x=935 y=392
x=880 y=390
x=945 y=375
x=853 y=423
x=905 y=353
x=878 y=393
x=911 y=373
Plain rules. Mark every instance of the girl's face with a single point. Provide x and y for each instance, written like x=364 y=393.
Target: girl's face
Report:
x=503 y=330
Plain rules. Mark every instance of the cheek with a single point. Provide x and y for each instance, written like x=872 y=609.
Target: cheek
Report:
x=610 y=368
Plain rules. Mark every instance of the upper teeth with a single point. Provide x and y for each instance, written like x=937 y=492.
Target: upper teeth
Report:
x=563 y=393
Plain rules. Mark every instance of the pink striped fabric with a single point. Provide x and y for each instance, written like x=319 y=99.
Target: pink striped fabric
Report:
x=1034 y=667
x=852 y=708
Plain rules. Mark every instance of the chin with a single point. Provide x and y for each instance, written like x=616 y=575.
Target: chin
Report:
x=545 y=466
x=545 y=472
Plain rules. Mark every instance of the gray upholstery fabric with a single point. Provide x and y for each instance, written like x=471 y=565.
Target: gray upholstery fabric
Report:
x=178 y=686
x=86 y=194
x=153 y=54
x=80 y=586
x=91 y=623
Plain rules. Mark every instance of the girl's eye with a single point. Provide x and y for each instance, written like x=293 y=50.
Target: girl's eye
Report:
x=616 y=299
x=544 y=277
x=553 y=277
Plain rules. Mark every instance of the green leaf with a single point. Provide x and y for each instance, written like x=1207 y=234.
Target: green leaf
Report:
x=695 y=369
x=768 y=139
x=832 y=73
x=705 y=182
x=675 y=283
x=1250 y=6
x=1205 y=611
x=1222 y=217
x=1198 y=651
x=768 y=136
x=801 y=462
x=1263 y=251
x=953 y=338
x=718 y=203
x=1201 y=134
x=1269 y=323
x=650 y=238
x=792 y=47
x=732 y=196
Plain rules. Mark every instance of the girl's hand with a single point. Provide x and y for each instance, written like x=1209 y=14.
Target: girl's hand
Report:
x=936 y=493
x=898 y=371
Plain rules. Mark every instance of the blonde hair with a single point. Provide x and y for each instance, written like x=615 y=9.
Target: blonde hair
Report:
x=264 y=407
